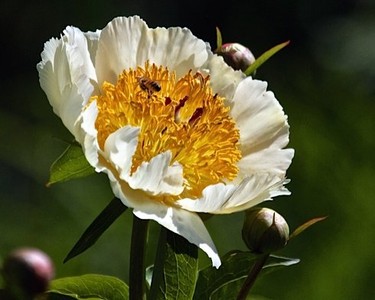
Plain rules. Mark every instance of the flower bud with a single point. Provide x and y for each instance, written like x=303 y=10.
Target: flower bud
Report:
x=236 y=55
x=27 y=272
x=264 y=230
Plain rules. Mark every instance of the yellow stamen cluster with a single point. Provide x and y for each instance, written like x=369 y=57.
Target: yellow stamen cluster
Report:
x=180 y=115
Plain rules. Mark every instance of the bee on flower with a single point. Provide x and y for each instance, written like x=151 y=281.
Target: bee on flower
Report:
x=148 y=85
x=211 y=140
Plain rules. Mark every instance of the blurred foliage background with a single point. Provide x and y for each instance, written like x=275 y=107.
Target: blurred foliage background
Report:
x=324 y=79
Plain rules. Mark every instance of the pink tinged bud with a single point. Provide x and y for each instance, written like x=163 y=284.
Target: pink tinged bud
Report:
x=236 y=55
x=264 y=230
x=27 y=272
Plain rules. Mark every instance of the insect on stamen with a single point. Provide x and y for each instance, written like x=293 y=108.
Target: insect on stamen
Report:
x=148 y=85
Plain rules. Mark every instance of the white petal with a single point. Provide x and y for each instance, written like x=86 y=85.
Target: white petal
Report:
x=228 y=198
x=275 y=161
x=118 y=47
x=176 y=48
x=224 y=79
x=253 y=190
x=92 y=43
x=188 y=225
x=259 y=117
x=212 y=200
x=89 y=138
x=265 y=194
x=70 y=110
x=120 y=147
x=128 y=42
x=81 y=66
x=65 y=73
x=53 y=79
x=156 y=177
x=185 y=223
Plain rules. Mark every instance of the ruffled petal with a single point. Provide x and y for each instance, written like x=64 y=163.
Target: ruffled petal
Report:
x=81 y=67
x=259 y=117
x=128 y=42
x=253 y=190
x=156 y=177
x=65 y=74
x=92 y=38
x=90 y=142
x=224 y=80
x=212 y=200
x=267 y=193
x=271 y=160
x=120 y=147
x=228 y=198
x=187 y=224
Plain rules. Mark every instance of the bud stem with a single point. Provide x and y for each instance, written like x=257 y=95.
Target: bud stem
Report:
x=252 y=276
x=137 y=255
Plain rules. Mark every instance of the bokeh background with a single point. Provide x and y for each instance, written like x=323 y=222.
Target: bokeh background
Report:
x=324 y=79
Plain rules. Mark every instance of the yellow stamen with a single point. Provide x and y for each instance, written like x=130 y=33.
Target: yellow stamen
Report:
x=180 y=115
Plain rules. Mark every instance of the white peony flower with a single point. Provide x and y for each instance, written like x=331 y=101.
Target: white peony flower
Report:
x=177 y=130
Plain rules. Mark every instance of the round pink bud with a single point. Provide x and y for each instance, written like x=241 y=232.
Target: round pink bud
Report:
x=27 y=272
x=264 y=230
x=236 y=55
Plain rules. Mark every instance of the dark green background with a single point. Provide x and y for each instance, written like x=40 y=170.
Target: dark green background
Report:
x=324 y=79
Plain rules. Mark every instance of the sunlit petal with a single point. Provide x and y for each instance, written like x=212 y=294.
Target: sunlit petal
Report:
x=182 y=222
x=272 y=160
x=259 y=117
x=227 y=198
x=66 y=72
x=175 y=48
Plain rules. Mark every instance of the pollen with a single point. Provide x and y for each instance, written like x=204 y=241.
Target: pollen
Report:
x=180 y=115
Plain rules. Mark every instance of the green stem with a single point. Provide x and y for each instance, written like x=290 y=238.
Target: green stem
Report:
x=252 y=276
x=137 y=255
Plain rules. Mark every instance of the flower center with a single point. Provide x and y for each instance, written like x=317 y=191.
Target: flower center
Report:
x=178 y=115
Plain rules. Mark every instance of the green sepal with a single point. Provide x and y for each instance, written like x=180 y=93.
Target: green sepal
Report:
x=71 y=164
x=101 y=223
x=264 y=57
x=89 y=286
x=304 y=226
x=176 y=268
x=226 y=282
x=219 y=39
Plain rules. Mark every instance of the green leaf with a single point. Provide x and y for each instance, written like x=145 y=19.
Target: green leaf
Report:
x=225 y=282
x=264 y=57
x=176 y=268
x=276 y=262
x=70 y=165
x=101 y=223
x=90 y=286
x=305 y=225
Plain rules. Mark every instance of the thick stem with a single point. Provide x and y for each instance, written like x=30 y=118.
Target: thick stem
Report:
x=252 y=276
x=137 y=255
